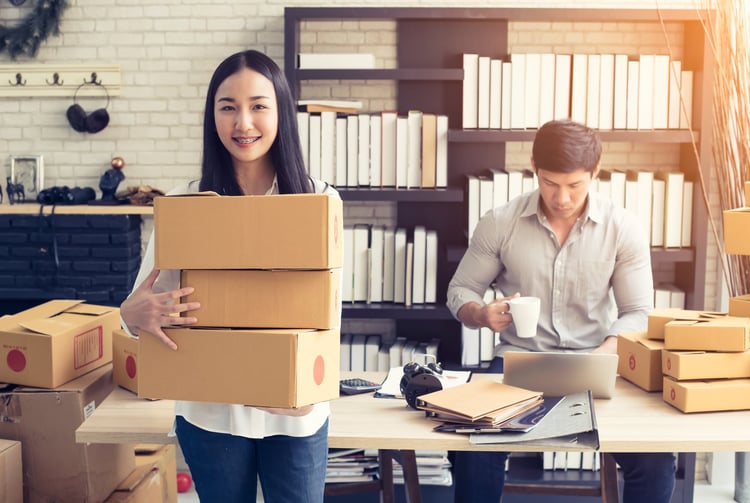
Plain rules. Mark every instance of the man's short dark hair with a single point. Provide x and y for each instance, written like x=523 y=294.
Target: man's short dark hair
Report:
x=565 y=146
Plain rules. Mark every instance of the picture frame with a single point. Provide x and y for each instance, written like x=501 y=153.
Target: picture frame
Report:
x=29 y=171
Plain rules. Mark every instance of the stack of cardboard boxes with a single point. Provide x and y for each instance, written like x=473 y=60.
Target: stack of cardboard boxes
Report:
x=267 y=273
x=57 y=357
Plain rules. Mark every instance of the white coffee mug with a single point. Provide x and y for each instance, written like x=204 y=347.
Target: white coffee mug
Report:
x=525 y=313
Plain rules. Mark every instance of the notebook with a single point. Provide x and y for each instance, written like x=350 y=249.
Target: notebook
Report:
x=559 y=374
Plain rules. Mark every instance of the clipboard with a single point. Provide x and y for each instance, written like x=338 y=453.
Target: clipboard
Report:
x=569 y=425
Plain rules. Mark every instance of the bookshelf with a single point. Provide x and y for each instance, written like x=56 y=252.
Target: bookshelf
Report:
x=428 y=76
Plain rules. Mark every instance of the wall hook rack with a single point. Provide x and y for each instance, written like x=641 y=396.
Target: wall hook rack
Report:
x=58 y=80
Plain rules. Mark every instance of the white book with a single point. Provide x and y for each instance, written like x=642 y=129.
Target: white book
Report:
x=340 y=154
x=352 y=150
x=361 y=262
x=375 y=150
x=389 y=256
x=661 y=91
x=375 y=283
x=617 y=187
x=469 y=346
x=573 y=461
x=645 y=183
x=402 y=151
x=604 y=187
x=592 y=90
x=631 y=115
x=388 y=148
x=432 y=348
x=431 y=267
x=499 y=187
x=384 y=358
x=409 y=279
x=606 y=91
x=686 y=99
x=472 y=205
x=428 y=168
x=303 y=128
x=441 y=152
x=646 y=92
x=563 y=64
x=620 y=93
x=419 y=266
x=578 y=87
x=515 y=184
x=527 y=182
x=657 y=212
x=407 y=352
x=662 y=298
x=327 y=146
x=673 y=187
x=363 y=151
x=345 y=359
x=675 y=73
x=676 y=298
x=347 y=289
x=315 y=135
x=414 y=149
x=517 y=91
x=399 y=266
x=687 y=214
x=631 y=196
x=546 y=88
x=470 y=91
x=396 y=350
x=483 y=92
x=496 y=67
x=486 y=197
x=358 y=352
x=486 y=335
x=372 y=348
x=349 y=61
x=505 y=96
x=531 y=90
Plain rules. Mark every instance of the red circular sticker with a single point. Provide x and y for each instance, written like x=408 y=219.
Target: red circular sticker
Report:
x=631 y=362
x=130 y=366
x=672 y=393
x=336 y=229
x=319 y=370
x=16 y=360
x=669 y=364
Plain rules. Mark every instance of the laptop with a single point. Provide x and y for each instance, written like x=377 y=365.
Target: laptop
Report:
x=559 y=374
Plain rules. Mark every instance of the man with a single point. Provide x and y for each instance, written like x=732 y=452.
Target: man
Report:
x=583 y=257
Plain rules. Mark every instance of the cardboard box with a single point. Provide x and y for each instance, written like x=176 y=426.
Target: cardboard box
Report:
x=287 y=231
x=55 y=467
x=740 y=306
x=661 y=316
x=727 y=333
x=264 y=367
x=736 y=230
x=707 y=396
x=154 y=479
x=265 y=299
x=11 y=472
x=125 y=360
x=684 y=365
x=52 y=343
x=747 y=192
x=640 y=360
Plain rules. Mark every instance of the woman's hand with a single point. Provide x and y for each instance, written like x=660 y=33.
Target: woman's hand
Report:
x=297 y=411
x=149 y=311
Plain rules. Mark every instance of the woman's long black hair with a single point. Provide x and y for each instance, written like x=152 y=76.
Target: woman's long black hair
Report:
x=217 y=173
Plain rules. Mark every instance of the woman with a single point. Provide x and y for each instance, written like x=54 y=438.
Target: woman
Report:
x=250 y=147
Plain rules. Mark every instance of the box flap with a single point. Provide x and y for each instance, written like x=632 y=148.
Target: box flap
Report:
x=46 y=310
x=90 y=309
x=136 y=477
x=193 y=194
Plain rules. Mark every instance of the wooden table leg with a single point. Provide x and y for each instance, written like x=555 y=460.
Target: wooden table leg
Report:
x=408 y=462
x=386 y=475
x=608 y=477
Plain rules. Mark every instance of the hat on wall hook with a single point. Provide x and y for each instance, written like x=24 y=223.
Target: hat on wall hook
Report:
x=88 y=122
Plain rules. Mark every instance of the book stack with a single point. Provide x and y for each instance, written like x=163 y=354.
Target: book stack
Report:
x=351 y=465
x=368 y=352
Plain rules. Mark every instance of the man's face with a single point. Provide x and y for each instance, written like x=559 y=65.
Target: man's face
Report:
x=564 y=194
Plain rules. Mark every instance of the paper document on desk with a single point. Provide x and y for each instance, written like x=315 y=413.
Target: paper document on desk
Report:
x=391 y=387
x=571 y=424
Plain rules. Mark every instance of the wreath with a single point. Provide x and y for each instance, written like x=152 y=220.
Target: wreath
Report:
x=25 y=38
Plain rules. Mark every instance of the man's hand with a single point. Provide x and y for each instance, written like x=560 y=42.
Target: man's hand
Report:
x=608 y=346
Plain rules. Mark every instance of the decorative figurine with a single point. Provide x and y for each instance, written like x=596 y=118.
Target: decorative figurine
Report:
x=16 y=192
x=111 y=179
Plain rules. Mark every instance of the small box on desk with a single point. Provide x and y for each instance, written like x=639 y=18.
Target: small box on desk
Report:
x=11 y=472
x=265 y=299
x=707 y=396
x=736 y=230
x=726 y=333
x=55 y=342
x=287 y=231
x=661 y=316
x=740 y=306
x=264 y=367
x=125 y=360
x=640 y=360
x=686 y=365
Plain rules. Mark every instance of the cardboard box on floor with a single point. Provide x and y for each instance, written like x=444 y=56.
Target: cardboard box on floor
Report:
x=11 y=472
x=52 y=343
x=736 y=230
x=707 y=396
x=56 y=468
x=125 y=360
x=661 y=316
x=263 y=367
x=287 y=231
x=726 y=333
x=685 y=365
x=154 y=479
x=254 y=298
x=640 y=360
